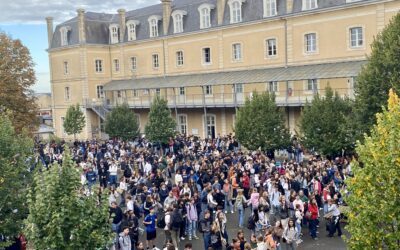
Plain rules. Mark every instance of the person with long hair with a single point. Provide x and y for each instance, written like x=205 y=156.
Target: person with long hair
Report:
x=313 y=215
x=240 y=204
x=291 y=235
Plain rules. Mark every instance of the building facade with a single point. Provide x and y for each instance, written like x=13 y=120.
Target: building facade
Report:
x=207 y=56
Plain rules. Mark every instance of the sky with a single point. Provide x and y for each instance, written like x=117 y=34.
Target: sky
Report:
x=25 y=20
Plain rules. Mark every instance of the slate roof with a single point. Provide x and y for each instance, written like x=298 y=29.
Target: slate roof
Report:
x=97 y=24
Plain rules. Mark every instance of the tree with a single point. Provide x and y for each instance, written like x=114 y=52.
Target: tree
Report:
x=122 y=123
x=374 y=208
x=60 y=216
x=17 y=76
x=381 y=73
x=15 y=179
x=261 y=124
x=326 y=126
x=161 y=126
x=74 y=120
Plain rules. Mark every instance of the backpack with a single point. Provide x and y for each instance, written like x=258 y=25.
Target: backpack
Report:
x=161 y=221
x=251 y=224
x=128 y=172
x=176 y=220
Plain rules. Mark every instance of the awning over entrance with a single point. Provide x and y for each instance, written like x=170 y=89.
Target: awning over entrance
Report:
x=291 y=73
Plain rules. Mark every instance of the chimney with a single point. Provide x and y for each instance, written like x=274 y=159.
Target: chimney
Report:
x=50 y=31
x=289 y=6
x=221 y=10
x=81 y=25
x=167 y=9
x=122 y=26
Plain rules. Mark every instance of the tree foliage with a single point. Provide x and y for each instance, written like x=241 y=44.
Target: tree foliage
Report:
x=381 y=73
x=74 y=120
x=15 y=149
x=60 y=217
x=122 y=123
x=374 y=199
x=17 y=76
x=261 y=124
x=161 y=126
x=326 y=124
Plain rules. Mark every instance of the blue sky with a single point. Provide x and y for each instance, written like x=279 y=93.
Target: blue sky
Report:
x=25 y=20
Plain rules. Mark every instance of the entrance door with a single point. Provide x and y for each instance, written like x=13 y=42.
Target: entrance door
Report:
x=239 y=93
x=210 y=126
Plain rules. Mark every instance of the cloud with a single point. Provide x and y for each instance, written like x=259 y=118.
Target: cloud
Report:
x=35 y=11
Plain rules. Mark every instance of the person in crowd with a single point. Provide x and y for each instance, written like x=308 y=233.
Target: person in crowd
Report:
x=205 y=228
x=124 y=240
x=240 y=204
x=313 y=216
x=334 y=220
x=192 y=219
x=151 y=233
x=291 y=235
x=176 y=221
x=228 y=193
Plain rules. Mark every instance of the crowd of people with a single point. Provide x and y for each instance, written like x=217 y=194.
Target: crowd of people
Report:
x=187 y=187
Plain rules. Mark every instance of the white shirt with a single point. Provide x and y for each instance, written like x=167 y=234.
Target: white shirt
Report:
x=147 y=168
x=178 y=179
x=129 y=205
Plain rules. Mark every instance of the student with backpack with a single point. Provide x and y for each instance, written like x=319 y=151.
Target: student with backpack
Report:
x=124 y=241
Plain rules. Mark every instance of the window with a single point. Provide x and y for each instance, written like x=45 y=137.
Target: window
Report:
x=153 y=23
x=66 y=69
x=309 y=4
x=133 y=63
x=310 y=42
x=131 y=27
x=205 y=19
x=158 y=92
x=99 y=66
x=135 y=93
x=146 y=92
x=114 y=33
x=208 y=90
x=121 y=94
x=181 y=90
x=116 y=65
x=177 y=17
x=238 y=88
x=237 y=52
x=269 y=8
x=64 y=35
x=236 y=10
x=155 y=61
x=182 y=124
x=356 y=37
x=67 y=94
x=312 y=85
x=271 y=47
x=273 y=87
x=179 y=58
x=206 y=55
x=100 y=91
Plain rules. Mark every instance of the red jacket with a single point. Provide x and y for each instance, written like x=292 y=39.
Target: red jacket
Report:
x=246 y=182
x=313 y=209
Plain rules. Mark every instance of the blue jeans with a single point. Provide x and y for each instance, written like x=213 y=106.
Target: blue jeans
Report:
x=298 y=226
x=113 y=180
x=241 y=216
x=312 y=225
x=192 y=228
x=207 y=239
x=228 y=203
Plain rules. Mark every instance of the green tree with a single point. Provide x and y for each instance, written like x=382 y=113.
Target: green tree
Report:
x=122 y=123
x=17 y=76
x=60 y=216
x=261 y=124
x=74 y=120
x=161 y=126
x=15 y=179
x=381 y=73
x=325 y=124
x=374 y=200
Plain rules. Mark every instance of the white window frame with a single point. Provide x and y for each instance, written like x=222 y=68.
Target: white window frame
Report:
x=273 y=87
x=98 y=65
x=312 y=46
x=64 y=35
x=309 y=5
x=133 y=63
x=205 y=15
x=67 y=93
x=203 y=56
x=155 y=61
x=236 y=13
x=182 y=91
x=350 y=37
x=114 y=33
x=208 y=90
x=131 y=28
x=100 y=92
x=157 y=92
x=66 y=67
x=146 y=91
x=182 y=126
x=116 y=65
x=270 y=8
x=153 y=25
x=180 y=60
x=314 y=89
x=205 y=126
x=177 y=17
x=135 y=93
x=267 y=47
x=237 y=52
x=239 y=87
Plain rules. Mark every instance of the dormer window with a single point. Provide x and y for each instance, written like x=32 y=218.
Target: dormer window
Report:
x=64 y=35
x=269 y=8
x=131 y=28
x=309 y=4
x=205 y=15
x=236 y=10
x=153 y=24
x=114 y=33
x=177 y=16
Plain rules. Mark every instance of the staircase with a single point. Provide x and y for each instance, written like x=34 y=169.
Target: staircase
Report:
x=99 y=108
